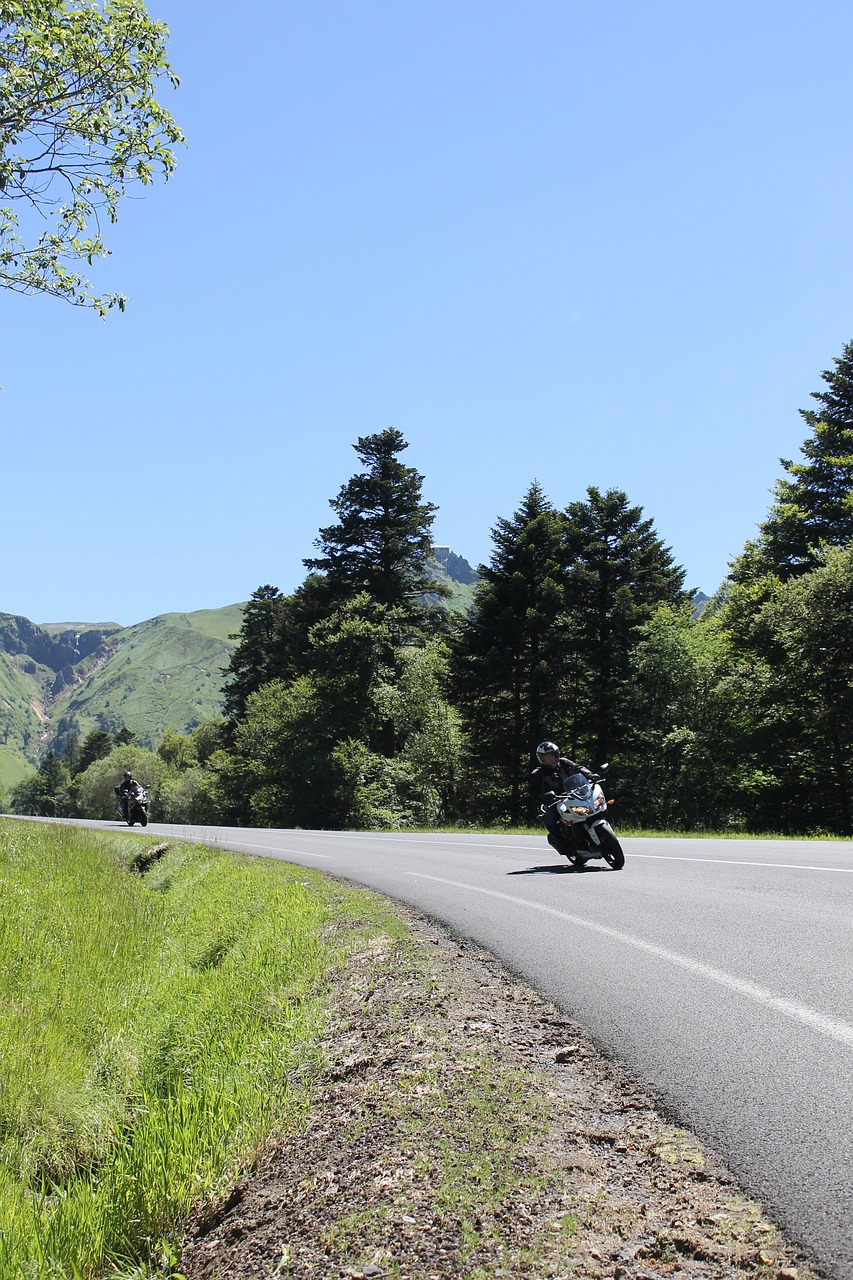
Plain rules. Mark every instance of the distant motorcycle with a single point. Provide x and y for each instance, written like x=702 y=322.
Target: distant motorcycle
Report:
x=133 y=805
x=584 y=832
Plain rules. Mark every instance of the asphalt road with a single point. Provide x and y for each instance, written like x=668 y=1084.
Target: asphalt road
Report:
x=719 y=972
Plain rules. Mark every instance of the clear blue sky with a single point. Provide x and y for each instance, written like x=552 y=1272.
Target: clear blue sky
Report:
x=583 y=243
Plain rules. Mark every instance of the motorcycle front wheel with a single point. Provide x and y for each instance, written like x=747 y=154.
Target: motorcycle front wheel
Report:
x=611 y=849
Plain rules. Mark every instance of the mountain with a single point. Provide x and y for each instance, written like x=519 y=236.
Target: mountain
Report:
x=65 y=677
x=455 y=573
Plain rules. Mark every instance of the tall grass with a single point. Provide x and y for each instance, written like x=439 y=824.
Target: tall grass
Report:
x=153 y=1032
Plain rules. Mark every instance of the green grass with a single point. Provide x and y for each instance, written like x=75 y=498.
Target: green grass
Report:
x=153 y=1031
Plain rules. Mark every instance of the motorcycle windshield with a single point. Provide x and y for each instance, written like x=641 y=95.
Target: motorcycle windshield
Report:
x=577 y=785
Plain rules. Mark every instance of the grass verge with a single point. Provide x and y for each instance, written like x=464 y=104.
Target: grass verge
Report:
x=154 y=1030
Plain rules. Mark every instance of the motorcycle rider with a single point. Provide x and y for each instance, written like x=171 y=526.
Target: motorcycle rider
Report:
x=127 y=787
x=548 y=781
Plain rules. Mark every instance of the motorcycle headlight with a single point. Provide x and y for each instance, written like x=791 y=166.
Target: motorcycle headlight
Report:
x=579 y=808
x=600 y=802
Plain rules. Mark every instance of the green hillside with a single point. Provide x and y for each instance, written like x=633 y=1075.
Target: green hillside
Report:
x=22 y=720
x=60 y=678
x=164 y=674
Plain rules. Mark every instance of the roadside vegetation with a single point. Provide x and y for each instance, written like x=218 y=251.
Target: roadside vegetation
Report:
x=161 y=1010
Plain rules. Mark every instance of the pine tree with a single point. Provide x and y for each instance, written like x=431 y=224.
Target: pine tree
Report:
x=508 y=658
x=96 y=745
x=382 y=541
x=619 y=571
x=256 y=658
x=815 y=505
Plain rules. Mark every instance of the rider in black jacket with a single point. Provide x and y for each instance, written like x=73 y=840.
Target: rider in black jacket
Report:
x=127 y=787
x=549 y=781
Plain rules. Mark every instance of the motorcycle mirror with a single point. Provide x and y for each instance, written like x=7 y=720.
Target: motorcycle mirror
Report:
x=602 y=768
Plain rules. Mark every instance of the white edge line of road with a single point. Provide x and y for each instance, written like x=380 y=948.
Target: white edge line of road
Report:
x=740 y=862
x=271 y=849
x=833 y=1028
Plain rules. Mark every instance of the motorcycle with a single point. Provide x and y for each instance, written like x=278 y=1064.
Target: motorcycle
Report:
x=133 y=806
x=584 y=832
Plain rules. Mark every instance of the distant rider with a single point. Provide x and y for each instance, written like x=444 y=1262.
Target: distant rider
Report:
x=127 y=787
x=548 y=782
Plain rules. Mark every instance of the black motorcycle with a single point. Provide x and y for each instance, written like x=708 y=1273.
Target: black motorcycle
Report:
x=133 y=805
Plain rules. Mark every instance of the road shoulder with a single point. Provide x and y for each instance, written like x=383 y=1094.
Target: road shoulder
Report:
x=463 y=1127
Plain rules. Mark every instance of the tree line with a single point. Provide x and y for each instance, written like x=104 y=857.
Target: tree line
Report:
x=359 y=701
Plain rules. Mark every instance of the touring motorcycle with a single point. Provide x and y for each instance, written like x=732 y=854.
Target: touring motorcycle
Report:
x=133 y=806
x=584 y=831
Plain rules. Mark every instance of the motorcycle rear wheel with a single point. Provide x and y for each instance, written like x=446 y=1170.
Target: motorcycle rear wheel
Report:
x=611 y=849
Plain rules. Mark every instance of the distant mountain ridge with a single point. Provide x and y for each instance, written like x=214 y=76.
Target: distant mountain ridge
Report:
x=56 y=646
x=165 y=673
x=456 y=574
x=455 y=567
x=56 y=680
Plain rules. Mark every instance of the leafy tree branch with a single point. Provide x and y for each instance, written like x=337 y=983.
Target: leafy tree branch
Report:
x=80 y=126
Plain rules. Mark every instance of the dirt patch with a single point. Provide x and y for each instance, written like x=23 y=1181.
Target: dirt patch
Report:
x=145 y=860
x=464 y=1128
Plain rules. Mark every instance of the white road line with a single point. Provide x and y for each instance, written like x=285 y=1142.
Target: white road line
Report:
x=739 y=862
x=297 y=853
x=833 y=1028
x=241 y=845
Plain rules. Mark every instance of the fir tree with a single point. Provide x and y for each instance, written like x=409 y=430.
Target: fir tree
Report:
x=509 y=657
x=382 y=541
x=256 y=657
x=619 y=571
x=96 y=745
x=814 y=506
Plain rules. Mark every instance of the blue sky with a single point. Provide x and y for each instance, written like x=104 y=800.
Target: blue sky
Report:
x=580 y=243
